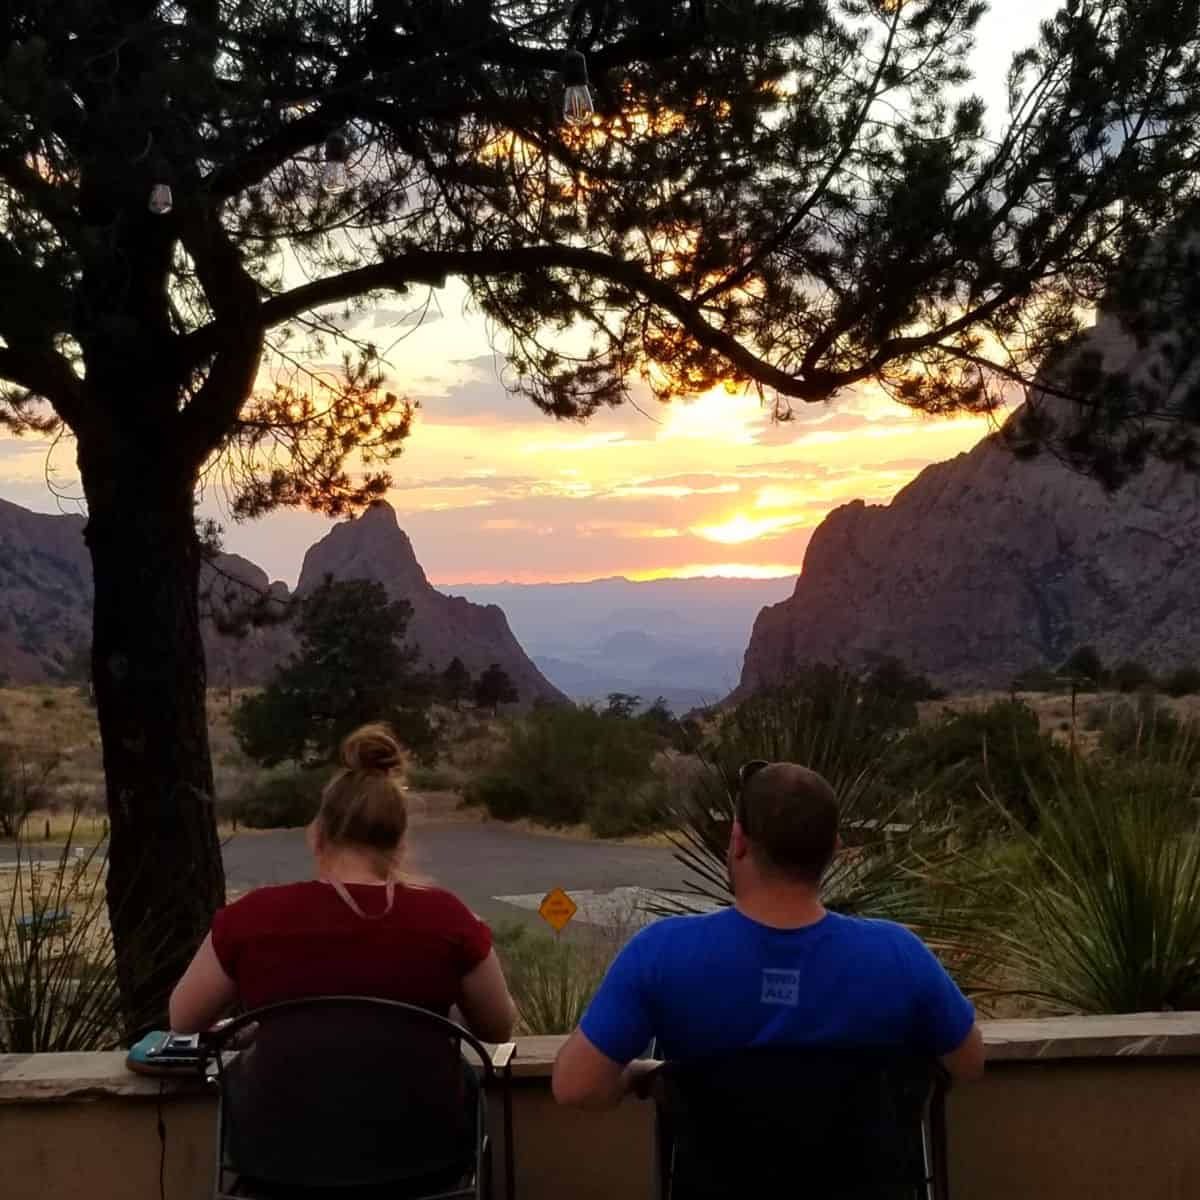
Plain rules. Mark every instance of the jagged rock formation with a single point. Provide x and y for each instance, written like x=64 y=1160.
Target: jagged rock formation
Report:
x=374 y=546
x=46 y=604
x=986 y=565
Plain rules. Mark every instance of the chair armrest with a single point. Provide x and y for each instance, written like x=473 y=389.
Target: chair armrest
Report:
x=502 y=1055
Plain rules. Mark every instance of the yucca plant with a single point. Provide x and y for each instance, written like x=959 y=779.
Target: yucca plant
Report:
x=902 y=859
x=58 y=981
x=553 y=979
x=1101 y=908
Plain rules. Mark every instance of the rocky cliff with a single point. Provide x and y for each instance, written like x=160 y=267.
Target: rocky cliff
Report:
x=46 y=603
x=374 y=546
x=986 y=565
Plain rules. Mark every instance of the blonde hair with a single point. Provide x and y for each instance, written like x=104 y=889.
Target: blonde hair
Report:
x=363 y=805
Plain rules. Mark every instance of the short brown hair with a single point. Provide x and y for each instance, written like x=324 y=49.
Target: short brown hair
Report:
x=789 y=815
x=363 y=805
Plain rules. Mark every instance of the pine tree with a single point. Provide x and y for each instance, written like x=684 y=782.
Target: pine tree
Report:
x=201 y=196
x=495 y=688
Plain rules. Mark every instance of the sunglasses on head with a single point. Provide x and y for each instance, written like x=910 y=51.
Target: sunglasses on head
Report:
x=745 y=773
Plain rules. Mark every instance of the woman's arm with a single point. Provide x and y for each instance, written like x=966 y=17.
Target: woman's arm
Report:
x=486 y=1005
x=204 y=994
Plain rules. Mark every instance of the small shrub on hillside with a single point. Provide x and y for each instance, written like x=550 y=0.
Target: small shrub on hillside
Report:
x=1184 y=681
x=1132 y=677
x=1085 y=667
x=1038 y=679
x=282 y=801
x=1149 y=730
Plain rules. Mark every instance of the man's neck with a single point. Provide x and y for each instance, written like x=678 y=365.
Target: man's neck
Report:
x=780 y=907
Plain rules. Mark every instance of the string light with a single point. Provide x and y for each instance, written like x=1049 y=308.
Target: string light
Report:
x=336 y=177
x=161 y=200
x=577 y=98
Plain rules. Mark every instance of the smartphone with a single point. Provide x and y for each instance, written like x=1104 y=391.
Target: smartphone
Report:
x=176 y=1045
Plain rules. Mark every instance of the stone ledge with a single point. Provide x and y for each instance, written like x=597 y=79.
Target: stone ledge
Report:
x=78 y=1078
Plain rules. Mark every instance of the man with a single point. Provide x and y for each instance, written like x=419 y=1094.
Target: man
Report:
x=775 y=969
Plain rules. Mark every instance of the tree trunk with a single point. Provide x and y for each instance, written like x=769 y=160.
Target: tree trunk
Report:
x=165 y=877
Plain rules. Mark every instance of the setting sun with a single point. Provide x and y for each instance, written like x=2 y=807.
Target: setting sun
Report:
x=741 y=528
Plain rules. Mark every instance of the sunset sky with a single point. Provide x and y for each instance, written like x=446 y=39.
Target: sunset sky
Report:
x=489 y=489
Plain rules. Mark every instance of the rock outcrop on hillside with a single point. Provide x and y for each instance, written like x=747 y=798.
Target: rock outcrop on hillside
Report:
x=374 y=546
x=986 y=565
x=46 y=604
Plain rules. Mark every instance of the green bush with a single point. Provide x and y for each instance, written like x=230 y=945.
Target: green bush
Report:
x=569 y=764
x=1132 y=676
x=552 y=979
x=500 y=795
x=1101 y=913
x=422 y=778
x=282 y=801
x=1039 y=679
x=1183 y=681
x=963 y=759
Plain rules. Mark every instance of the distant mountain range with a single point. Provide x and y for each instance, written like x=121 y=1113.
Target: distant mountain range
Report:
x=682 y=639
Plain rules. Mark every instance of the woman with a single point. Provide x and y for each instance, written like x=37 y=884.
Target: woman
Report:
x=358 y=928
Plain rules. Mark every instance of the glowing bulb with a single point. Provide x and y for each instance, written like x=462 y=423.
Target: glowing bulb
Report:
x=161 y=200
x=577 y=99
x=335 y=177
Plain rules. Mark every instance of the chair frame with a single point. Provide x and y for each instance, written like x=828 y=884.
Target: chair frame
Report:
x=933 y=1137
x=496 y=1064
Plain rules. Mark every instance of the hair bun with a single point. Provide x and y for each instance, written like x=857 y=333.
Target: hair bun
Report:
x=372 y=748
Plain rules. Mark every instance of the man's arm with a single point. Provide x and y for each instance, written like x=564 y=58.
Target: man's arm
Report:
x=586 y=1078
x=965 y=1063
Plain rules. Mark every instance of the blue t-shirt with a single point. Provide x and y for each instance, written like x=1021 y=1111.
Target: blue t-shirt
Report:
x=719 y=982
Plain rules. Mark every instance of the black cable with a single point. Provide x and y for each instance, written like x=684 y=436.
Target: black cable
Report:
x=162 y=1143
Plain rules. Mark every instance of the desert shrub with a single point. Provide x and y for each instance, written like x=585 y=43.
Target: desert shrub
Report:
x=964 y=758
x=1038 y=679
x=501 y=795
x=1131 y=676
x=553 y=979
x=1101 y=913
x=1085 y=667
x=568 y=764
x=58 y=982
x=25 y=784
x=282 y=801
x=1183 y=681
x=422 y=778
x=1147 y=729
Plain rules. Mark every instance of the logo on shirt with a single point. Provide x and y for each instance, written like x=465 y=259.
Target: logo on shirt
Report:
x=781 y=987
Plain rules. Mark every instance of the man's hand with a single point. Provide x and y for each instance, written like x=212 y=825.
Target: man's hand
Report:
x=586 y=1078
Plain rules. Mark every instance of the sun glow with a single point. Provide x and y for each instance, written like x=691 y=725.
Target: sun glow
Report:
x=741 y=528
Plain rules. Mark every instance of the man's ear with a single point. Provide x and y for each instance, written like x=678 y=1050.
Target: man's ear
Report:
x=739 y=846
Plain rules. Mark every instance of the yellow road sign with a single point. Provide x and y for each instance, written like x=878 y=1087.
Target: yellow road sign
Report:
x=557 y=909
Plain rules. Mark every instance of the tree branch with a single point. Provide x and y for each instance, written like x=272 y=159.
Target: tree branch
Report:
x=48 y=374
x=433 y=267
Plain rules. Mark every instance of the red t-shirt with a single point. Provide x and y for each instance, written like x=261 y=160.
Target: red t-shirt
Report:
x=302 y=939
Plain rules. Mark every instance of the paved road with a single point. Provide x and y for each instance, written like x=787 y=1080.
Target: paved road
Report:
x=477 y=862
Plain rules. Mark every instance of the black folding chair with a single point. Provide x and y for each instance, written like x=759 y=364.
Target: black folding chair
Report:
x=796 y=1123
x=353 y=1098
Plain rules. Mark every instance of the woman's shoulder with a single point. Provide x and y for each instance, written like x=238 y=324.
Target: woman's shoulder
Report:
x=270 y=898
x=436 y=900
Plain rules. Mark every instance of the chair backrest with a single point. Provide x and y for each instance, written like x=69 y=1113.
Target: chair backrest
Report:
x=344 y=1092
x=799 y=1122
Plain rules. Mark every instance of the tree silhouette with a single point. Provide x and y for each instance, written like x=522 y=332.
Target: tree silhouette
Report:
x=202 y=199
x=455 y=683
x=351 y=668
x=495 y=688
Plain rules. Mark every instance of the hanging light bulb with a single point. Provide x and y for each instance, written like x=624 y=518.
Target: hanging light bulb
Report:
x=161 y=200
x=577 y=99
x=335 y=177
